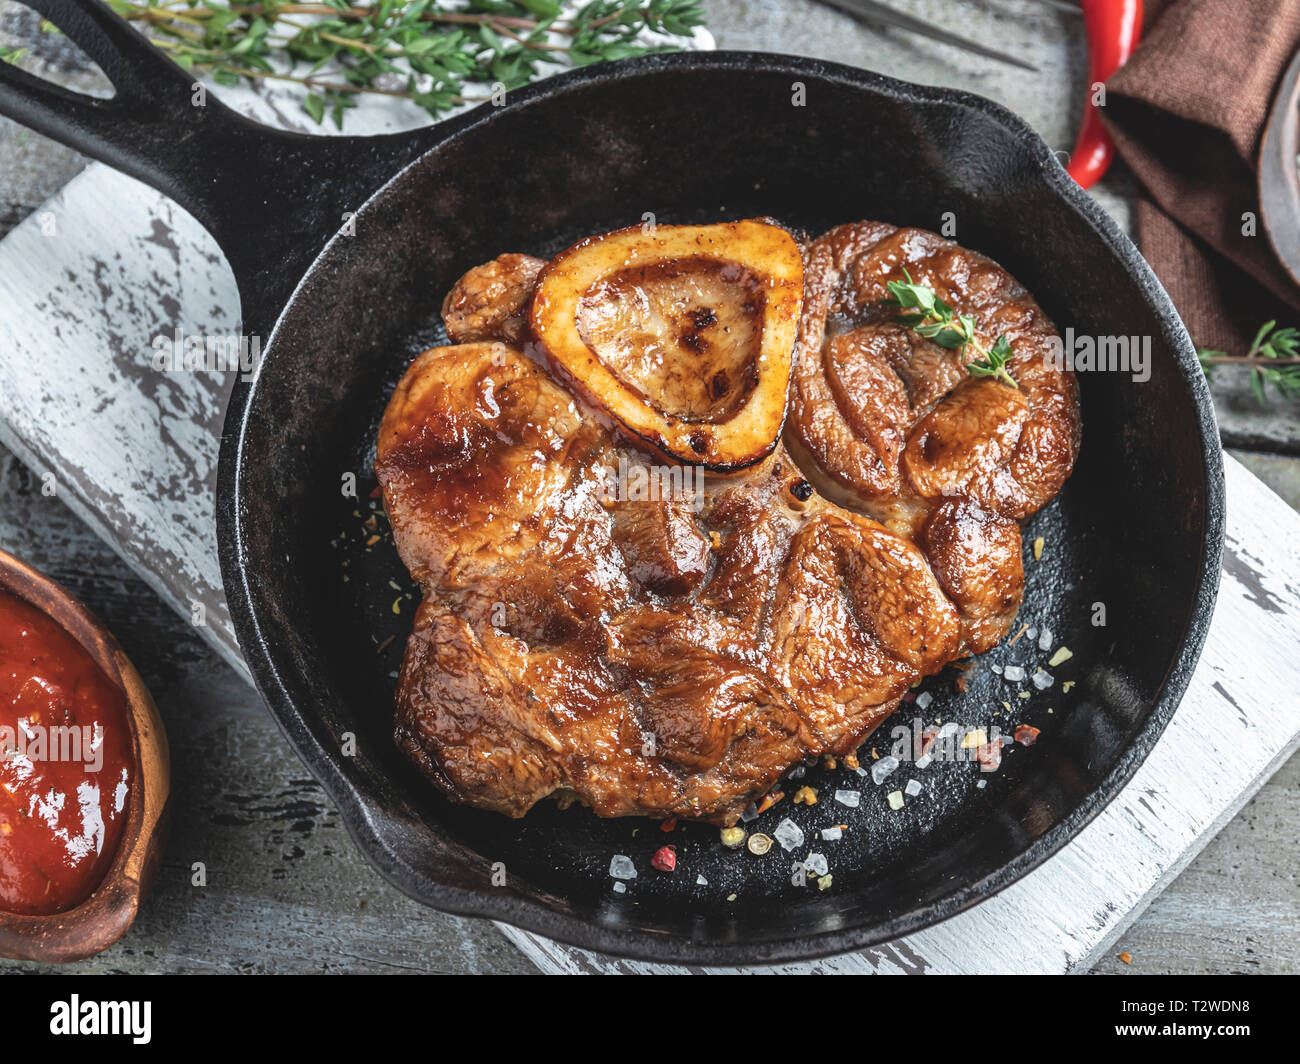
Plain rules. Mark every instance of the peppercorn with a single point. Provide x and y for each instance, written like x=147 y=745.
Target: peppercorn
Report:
x=801 y=489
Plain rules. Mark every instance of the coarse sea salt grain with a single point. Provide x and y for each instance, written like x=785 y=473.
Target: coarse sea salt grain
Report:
x=749 y=814
x=832 y=834
x=700 y=881
x=1042 y=679
x=815 y=864
x=849 y=798
x=1014 y=673
x=923 y=761
x=981 y=784
x=913 y=788
x=621 y=867
x=881 y=770
x=1045 y=639
x=620 y=887
x=895 y=800
x=924 y=699
x=788 y=834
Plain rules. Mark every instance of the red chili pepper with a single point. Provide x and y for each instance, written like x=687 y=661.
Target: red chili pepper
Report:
x=665 y=859
x=1114 y=28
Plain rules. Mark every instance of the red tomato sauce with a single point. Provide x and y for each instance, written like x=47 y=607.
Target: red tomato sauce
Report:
x=65 y=764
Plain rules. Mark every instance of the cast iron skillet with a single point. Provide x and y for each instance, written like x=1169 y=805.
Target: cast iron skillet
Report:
x=1137 y=532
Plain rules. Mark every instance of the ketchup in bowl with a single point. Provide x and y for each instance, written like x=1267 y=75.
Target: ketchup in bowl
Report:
x=65 y=764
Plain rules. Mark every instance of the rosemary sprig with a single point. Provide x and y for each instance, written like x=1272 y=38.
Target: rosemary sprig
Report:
x=1273 y=358
x=422 y=50
x=935 y=320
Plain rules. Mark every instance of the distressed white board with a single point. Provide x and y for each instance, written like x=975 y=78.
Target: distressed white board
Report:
x=134 y=453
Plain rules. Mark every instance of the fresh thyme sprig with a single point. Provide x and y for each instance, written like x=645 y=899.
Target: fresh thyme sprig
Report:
x=935 y=320
x=422 y=50
x=1273 y=358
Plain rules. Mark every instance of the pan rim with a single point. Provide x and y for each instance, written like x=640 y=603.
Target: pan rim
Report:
x=646 y=945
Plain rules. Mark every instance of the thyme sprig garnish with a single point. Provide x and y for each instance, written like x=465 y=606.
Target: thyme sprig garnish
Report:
x=421 y=50
x=934 y=319
x=1273 y=359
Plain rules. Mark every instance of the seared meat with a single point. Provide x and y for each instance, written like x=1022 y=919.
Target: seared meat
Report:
x=661 y=642
x=492 y=480
x=892 y=424
x=662 y=547
x=975 y=554
x=666 y=656
x=858 y=617
x=490 y=302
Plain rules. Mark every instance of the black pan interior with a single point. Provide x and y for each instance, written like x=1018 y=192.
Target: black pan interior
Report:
x=324 y=607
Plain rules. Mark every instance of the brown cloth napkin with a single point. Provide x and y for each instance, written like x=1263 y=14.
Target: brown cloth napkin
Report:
x=1187 y=112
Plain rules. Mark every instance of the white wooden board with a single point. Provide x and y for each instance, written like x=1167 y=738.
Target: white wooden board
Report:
x=87 y=282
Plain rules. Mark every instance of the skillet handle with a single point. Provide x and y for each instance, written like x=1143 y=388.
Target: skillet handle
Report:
x=270 y=198
x=147 y=86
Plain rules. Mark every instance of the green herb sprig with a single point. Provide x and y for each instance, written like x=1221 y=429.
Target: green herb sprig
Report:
x=420 y=50
x=1273 y=359
x=934 y=319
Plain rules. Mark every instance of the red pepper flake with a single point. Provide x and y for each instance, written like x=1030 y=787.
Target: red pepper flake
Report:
x=960 y=684
x=668 y=824
x=1023 y=629
x=374 y=492
x=1026 y=735
x=1127 y=958
x=665 y=859
x=990 y=756
x=770 y=799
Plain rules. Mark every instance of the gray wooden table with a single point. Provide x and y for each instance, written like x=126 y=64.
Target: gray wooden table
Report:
x=286 y=890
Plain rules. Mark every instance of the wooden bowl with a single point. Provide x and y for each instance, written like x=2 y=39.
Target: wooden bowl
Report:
x=103 y=918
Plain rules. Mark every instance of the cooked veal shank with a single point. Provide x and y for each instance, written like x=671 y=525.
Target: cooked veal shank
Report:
x=673 y=652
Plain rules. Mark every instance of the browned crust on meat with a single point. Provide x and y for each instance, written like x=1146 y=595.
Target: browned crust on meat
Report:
x=674 y=654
